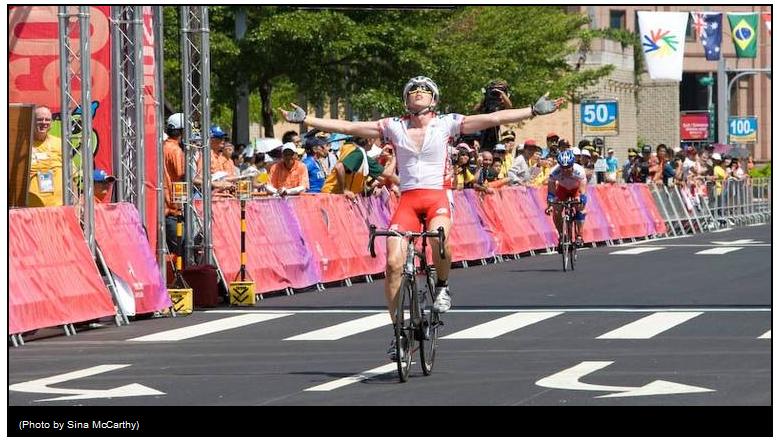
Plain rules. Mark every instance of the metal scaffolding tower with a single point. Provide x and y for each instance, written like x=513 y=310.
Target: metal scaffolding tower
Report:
x=195 y=76
x=159 y=103
x=128 y=105
x=77 y=149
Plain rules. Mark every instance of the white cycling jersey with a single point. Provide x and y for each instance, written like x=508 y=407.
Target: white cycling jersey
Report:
x=431 y=166
x=568 y=181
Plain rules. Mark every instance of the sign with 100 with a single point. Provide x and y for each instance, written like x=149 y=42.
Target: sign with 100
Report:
x=599 y=117
x=742 y=130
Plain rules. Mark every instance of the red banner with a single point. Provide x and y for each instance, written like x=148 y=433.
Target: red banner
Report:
x=694 y=126
x=53 y=278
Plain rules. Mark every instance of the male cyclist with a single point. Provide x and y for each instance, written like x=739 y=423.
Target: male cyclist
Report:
x=420 y=139
x=567 y=181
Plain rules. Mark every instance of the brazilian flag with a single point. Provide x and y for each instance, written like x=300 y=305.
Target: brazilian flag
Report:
x=744 y=32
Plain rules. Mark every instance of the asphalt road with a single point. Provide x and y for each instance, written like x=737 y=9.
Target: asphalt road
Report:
x=667 y=326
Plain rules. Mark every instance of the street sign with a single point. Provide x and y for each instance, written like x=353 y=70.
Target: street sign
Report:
x=742 y=130
x=599 y=117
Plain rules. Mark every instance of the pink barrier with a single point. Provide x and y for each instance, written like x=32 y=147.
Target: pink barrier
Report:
x=468 y=239
x=127 y=252
x=53 y=279
x=500 y=223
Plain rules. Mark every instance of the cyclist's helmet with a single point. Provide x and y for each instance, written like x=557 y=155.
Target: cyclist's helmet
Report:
x=423 y=82
x=566 y=158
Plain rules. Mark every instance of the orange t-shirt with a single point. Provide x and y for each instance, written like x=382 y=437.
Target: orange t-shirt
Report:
x=281 y=177
x=175 y=170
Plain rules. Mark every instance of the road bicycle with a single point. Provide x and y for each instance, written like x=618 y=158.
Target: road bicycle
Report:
x=416 y=324
x=569 y=232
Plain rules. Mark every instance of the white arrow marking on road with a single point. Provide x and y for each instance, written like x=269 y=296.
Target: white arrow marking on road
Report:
x=737 y=242
x=718 y=251
x=767 y=335
x=569 y=380
x=42 y=386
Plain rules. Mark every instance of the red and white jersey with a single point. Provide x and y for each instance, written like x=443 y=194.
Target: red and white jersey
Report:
x=431 y=166
x=568 y=181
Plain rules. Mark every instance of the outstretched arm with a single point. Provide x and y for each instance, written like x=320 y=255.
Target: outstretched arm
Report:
x=475 y=123
x=365 y=129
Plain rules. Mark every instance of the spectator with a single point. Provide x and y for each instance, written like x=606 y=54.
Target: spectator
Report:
x=545 y=164
x=500 y=151
x=631 y=170
x=508 y=139
x=656 y=165
x=257 y=171
x=291 y=136
x=352 y=175
x=315 y=153
x=487 y=173
x=220 y=166
x=644 y=163
x=737 y=172
x=520 y=173
x=289 y=176
x=578 y=155
x=45 y=179
x=587 y=161
x=103 y=184
x=720 y=176
x=551 y=140
x=611 y=175
x=174 y=171
x=464 y=177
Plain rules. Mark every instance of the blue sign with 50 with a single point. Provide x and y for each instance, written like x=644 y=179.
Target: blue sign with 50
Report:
x=599 y=117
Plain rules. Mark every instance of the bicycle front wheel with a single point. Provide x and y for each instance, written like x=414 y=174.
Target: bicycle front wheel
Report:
x=404 y=333
x=430 y=322
x=572 y=244
x=565 y=246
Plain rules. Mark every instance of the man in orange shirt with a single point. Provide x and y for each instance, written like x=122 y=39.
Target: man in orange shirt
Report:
x=174 y=171
x=290 y=176
x=218 y=163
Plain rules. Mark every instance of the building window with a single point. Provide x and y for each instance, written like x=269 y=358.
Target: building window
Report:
x=617 y=19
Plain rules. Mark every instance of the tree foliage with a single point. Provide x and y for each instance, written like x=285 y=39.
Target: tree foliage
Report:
x=366 y=55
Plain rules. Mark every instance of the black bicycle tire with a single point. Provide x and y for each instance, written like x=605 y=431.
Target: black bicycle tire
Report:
x=402 y=325
x=428 y=346
x=564 y=245
x=572 y=245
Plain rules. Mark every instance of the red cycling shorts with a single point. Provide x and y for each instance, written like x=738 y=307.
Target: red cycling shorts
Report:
x=563 y=194
x=418 y=202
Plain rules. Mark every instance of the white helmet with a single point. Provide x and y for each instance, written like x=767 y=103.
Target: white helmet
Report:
x=429 y=84
x=175 y=121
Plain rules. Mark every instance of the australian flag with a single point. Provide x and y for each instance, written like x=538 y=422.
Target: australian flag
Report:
x=709 y=31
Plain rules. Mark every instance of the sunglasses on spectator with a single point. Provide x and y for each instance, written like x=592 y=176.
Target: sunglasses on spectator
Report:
x=420 y=89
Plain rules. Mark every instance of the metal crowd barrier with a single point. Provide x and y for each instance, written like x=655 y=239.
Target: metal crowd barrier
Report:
x=741 y=202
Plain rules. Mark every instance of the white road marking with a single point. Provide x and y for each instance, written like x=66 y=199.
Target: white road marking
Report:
x=737 y=242
x=41 y=386
x=209 y=327
x=345 y=329
x=329 y=386
x=650 y=326
x=767 y=335
x=569 y=379
x=722 y=230
x=718 y=251
x=325 y=310
x=501 y=326
x=636 y=251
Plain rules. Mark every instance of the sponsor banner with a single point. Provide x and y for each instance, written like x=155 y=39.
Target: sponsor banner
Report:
x=694 y=126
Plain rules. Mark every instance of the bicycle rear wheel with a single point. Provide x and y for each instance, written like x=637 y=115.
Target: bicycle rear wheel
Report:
x=430 y=321
x=572 y=244
x=404 y=333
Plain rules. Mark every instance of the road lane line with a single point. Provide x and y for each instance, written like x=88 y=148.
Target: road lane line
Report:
x=218 y=325
x=767 y=335
x=649 y=326
x=329 y=386
x=327 y=310
x=718 y=251
x=345 y=329
x=636 y=251
x=500 y=326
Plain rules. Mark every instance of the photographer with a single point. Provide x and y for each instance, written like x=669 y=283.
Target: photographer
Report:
x=496 y=97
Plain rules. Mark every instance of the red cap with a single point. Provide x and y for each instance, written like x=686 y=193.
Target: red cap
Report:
x=529 y=142
x=551 y=135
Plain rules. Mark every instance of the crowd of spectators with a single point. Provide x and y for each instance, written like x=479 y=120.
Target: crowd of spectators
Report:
x=320 y=162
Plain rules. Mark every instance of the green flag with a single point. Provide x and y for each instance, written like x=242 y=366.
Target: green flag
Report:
x=744 y=32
